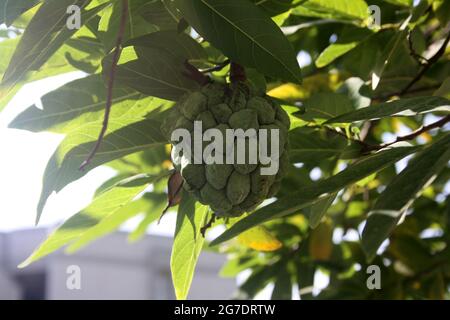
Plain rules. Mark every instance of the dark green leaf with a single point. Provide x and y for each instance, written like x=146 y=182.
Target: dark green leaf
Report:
x=45 y=34
x=308 y=145
x=255 y=42
x=324 y=106
x=386 y=57
x=333 y=9
x=319 y=209
x=283 y=285
x=403 y=107
x=173 y=42
x=311 y=194
x=401 y=192
x=10 y=10
x=154 y=72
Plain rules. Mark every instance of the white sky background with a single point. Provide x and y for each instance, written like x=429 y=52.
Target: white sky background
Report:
x=23 y=158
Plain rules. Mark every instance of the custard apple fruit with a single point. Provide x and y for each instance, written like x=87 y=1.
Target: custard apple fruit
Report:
x=229 y=189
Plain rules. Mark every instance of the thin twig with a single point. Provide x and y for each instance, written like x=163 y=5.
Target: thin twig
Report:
x=112 y=76
x=422 y=61
x=438 y=124
x=208 y=225
x=428 y=65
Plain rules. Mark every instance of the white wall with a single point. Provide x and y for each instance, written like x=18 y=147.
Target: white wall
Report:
x=113 y=269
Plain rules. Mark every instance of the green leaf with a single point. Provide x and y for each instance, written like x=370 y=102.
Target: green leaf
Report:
x=255 y=42
x=319 y=209
x=173 y=42
x=57 y=64
x=45 y=34
x=324 y=106
x=283 y=285
x=403 y=107
x=333 y=9
x=136 y=25
x=402 y=191
x=350 y=39
x=113 y=221
x=275 y=7
x=311 y=194
x=387 y=56
x=127 y=135
x=10 y=10
x=188 y=243
x=155 y=205
x=308 y=145
x=81 y=102
x=404 y=3
x=155 y=72
x=103 y=207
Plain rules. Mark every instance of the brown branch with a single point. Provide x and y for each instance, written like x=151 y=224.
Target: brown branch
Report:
x=428 y=65
x=112 y=76
x=438 y=124
x=194 y=74
x=237 y=73
x=208 y=225
x=422 y=61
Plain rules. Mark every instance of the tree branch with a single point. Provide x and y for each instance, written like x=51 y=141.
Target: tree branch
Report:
x=237 y=73
x=112 y=76
x=427 y=65
x=194 y=74
x=438 y=124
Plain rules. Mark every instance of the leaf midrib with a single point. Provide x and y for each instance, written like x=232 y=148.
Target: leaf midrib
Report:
x=249 y=37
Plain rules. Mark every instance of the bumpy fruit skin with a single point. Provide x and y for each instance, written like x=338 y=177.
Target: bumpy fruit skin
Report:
x=229 y=189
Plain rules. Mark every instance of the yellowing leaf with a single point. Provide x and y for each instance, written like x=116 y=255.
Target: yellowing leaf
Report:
x=260 y=239
x=320 y=242
x=310 y=85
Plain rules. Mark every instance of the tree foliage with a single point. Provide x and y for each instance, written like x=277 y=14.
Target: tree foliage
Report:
x=369 y=110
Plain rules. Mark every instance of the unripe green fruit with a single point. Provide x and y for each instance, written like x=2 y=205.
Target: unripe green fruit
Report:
x=229 y=189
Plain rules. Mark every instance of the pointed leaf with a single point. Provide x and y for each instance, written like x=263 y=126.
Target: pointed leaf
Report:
x=187 y=245
x=403 y=107
x=155 y=72
x=255 y=42
x=45 y=34
x=311 y=194
x=390 y=50
x=319 y=209
x=10 y=10
x=259 y=239
x=127 y=135
x=402 y=191
x=81 y=102
x=103 y=206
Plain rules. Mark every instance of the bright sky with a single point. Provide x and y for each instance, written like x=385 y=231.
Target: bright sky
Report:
x=23 y=158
